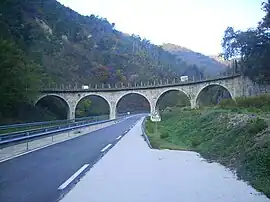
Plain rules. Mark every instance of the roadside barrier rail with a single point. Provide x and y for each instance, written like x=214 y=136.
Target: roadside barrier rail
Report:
x=13 y=139
x=43 y=123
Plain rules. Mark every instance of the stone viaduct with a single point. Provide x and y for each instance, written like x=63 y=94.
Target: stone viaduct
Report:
x=236 y=85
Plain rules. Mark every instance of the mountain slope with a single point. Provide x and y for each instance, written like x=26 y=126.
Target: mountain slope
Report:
x=209 y=65
x=71 y=48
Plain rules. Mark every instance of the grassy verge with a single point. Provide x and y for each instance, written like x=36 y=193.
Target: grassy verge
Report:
x=237 y=140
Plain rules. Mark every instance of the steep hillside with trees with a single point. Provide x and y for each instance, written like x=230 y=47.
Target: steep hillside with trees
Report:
x=44 y=43
x=71 y=48
x=206 y=64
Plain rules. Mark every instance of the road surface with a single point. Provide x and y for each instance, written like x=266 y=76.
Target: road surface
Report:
x=38 y=176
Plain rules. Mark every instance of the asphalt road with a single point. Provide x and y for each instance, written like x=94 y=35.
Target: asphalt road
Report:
x=36 y=177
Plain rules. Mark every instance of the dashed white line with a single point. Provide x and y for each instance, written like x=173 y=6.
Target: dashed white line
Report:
x=69 y=180
x=119 y=137
x=105 y=148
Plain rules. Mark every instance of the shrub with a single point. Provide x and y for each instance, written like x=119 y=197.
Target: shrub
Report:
x=195 y=142
x=150 y=126
x=261 y=101
x=164 y=135
x=227 y=103
x=256 y=125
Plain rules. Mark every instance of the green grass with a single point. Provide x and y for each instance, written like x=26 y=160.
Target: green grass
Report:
x=244 y=147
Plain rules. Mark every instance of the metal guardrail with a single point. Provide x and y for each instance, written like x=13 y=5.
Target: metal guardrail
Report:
x=43 y=123
x=17 y=134
x=41 y=134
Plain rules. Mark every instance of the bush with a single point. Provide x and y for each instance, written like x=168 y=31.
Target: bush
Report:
x=164 y=135
x=252 y=104
x=256 y=125
x=150 y=126
x=262 y=101
x=195 y=142
x=227 y=103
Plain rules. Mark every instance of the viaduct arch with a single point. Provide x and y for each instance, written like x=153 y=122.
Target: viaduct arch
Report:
x=237 y=86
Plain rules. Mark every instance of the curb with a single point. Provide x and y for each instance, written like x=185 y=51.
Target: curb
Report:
x=144 y=134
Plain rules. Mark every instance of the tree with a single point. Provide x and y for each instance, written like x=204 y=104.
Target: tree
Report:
x=83 y=108
x=18 y=78
x=252 y=47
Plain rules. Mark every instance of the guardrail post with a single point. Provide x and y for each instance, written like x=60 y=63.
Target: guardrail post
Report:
x=27 y=146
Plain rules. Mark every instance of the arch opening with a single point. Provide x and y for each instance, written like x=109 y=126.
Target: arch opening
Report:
x=172 y=99
x=132 y=103
x=212 y=95
x=53 y=107
x=92 y=105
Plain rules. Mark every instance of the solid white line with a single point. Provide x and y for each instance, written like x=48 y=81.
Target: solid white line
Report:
x=119 y=137
x=106 y=147
x=33 y=150
x=36 y=149
x=69 y=180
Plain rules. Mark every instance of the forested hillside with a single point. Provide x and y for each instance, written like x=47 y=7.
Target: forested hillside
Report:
x=208 y=65
x=44 y=43
x=73 y=48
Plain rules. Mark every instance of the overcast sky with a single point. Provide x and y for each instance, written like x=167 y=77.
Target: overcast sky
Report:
x=196 y=24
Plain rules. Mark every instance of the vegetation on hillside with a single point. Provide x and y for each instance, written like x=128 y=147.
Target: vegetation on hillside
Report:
x=64 y=47
x=232 y=137
x=252 y=47
x=19 y=79
x=206 y=64
x=71 y=48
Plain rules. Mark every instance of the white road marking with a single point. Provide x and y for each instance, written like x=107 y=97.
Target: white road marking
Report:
x=105 y=148
x=69 y=180
x=33 y=150
x=119 y=137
